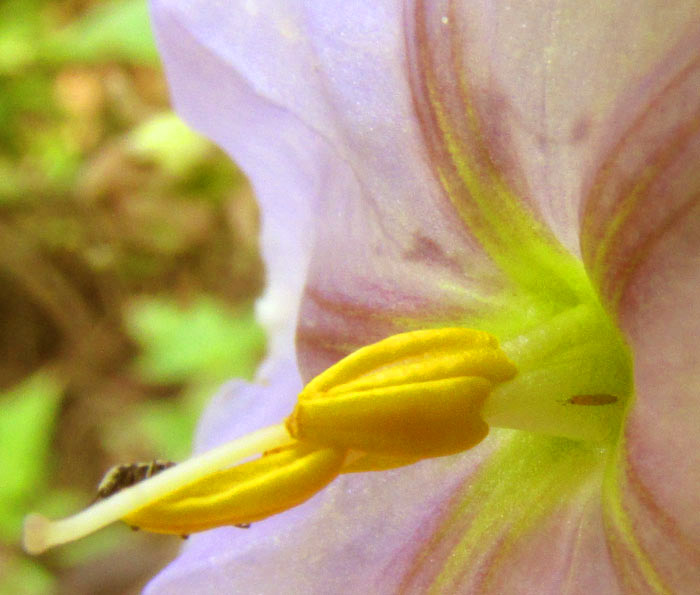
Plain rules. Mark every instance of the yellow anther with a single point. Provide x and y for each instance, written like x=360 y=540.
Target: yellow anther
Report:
x=426 y=419
x=432 y=347
x=411 y=396
x=242 y=494
x=408 y=397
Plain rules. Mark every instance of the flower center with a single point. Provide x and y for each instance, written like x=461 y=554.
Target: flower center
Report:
x=411 y=396
x=574 y=378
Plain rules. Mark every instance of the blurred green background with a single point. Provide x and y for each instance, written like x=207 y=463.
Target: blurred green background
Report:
x=128 y=269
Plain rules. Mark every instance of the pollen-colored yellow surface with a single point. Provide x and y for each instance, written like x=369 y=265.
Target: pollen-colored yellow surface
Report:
x=245 y=493
x=413 y=395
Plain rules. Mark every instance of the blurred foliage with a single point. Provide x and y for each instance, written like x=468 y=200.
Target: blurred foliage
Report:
x=201 y=346
x=116 y=30
x=201 y=342
x=128 y=267
x=26 y=424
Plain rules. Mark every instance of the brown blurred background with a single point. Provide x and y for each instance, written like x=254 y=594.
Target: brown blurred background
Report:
x=128 y=268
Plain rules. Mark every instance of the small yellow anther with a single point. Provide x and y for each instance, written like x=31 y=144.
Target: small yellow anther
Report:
x=249 y=492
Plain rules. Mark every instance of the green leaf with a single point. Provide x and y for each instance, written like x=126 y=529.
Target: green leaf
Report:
x=205 y=341
x=28 y=414
x=116 y=30
x=201 y=345
x=20 y=24
x=169 y=427
x=24 y=576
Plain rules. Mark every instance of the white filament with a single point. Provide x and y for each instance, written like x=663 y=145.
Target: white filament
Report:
x=41 y=533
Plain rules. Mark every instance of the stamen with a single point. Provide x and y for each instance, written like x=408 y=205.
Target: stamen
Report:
x=249 y=492
x=41 y=533
x=577 y=358
x=377 y=364
x=411 y=396
x=417 y=420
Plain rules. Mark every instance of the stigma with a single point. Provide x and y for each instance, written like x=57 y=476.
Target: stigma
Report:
x=409 y=397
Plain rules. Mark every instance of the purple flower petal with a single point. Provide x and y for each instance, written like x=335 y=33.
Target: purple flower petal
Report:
x=643 y=245
x=284 y=159
x=566 y=552
x=361 y=545
x=502 y=91
x=282 y=94
x=241 y=407
x=328 y=108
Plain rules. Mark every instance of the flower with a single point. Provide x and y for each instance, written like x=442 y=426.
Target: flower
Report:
x=388 y=144
x=590 y=116
x=529 y=170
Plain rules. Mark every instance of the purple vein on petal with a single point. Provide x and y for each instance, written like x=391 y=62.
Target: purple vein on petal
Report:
x=338 y=317
x=633 y=564
x=648 y=181
x=628 y=504
x=525 y=482
x=467 y=143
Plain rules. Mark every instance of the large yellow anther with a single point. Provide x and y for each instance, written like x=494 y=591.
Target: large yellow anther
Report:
x=413 y=395
x=248 y=492
x=408 y=397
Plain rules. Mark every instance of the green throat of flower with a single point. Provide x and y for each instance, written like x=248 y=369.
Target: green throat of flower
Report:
x=412 y=396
